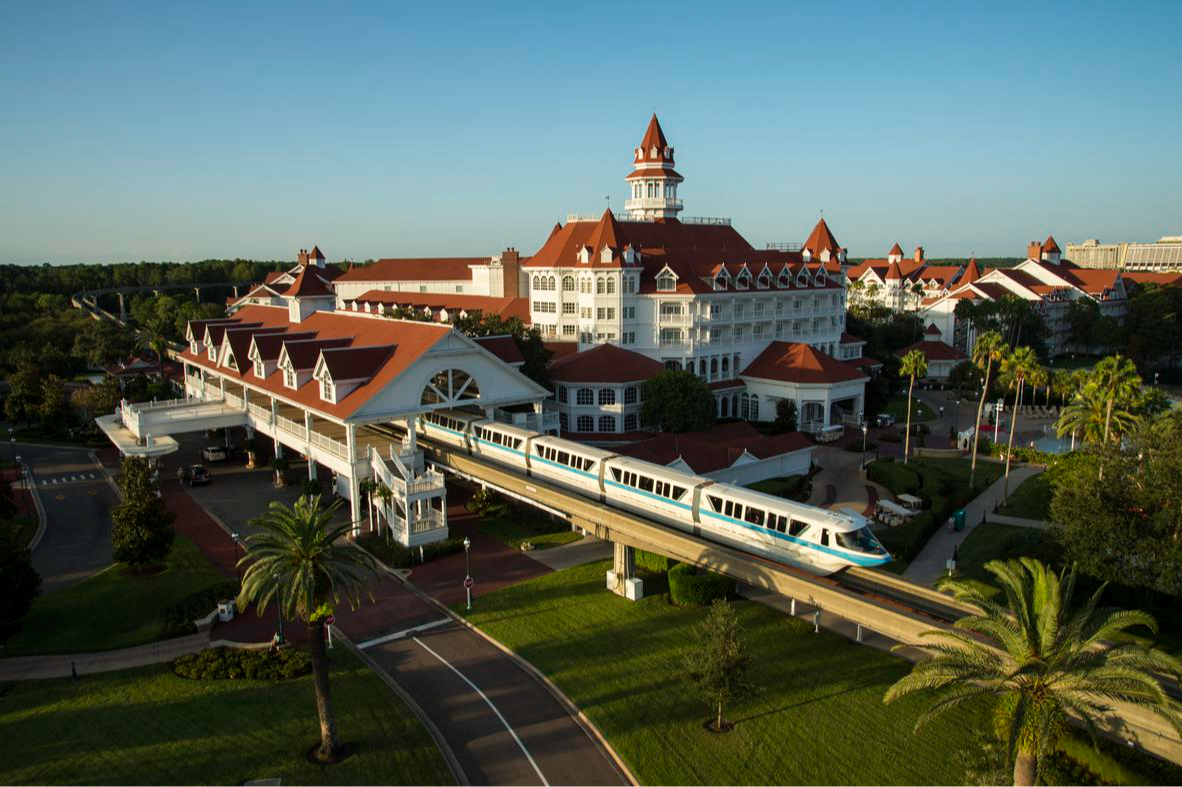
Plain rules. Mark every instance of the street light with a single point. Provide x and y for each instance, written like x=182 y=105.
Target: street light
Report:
x=237 y=568
x=865 y=429
x=12 y=437
x=467 y=572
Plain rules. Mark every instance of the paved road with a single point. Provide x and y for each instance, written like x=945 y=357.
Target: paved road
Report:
x=503 y=726
x=78 y=501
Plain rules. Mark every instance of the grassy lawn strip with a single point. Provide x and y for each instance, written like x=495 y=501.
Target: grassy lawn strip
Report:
x=897 y=406
x=148 y=726
x=1031 y=500
x=819 y=718
x=110 y=610
x=540 y=531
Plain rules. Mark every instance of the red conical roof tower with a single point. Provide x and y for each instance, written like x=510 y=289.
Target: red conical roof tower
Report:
x=653 y=181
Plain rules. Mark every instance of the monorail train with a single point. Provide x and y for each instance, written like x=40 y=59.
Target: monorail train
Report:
x=815 y=539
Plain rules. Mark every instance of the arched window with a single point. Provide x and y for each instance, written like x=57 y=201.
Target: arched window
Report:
x=607 y=395
x=550 y=283
x=630 y=395
x=585 y=396
x=630 y=423
x=568 y=283
x=537 y=282
x=629 y=284
x=666 y=282
x=702 y=367
x=746 y=404
x=607 y=423
x=726 y=367
x=611 y=286
x=713 y=367
x=586 y=423
x=600 y=286
x=448 y=386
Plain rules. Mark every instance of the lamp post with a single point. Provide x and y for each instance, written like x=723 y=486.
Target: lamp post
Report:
x=279 y=640
x=865 y=429
x=467 y=572
x=12 y=437
x=237 y=568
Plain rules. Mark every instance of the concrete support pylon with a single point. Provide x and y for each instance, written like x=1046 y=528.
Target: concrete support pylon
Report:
x=622 y=579
x=122 y=307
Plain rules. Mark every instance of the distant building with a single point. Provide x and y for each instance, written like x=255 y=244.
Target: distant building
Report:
x=1164 y=255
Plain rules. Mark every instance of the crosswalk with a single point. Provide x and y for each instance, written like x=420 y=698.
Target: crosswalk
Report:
x=66 y=479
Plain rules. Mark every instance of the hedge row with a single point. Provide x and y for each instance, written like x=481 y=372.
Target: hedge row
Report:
x=1024 y=453
x=243 y=664
x=649 y=561
x=689 y=588
x=178 y=619
x=395 y=555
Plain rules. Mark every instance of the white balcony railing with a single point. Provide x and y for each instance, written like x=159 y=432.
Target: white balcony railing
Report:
x=676 y=319
x=292 y=427
x=234 y=400
x=260 y=412
x=333 y=446
x=421 y=523
x=652 y=203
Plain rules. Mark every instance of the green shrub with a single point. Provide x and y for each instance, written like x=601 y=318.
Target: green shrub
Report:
x=486 y=502
x=178 y=619
x=898 y=478
x=395 y=555
x=649 y=561
x=689 y=588
x=941 y=494
x=243 y=664
x=1024 y=453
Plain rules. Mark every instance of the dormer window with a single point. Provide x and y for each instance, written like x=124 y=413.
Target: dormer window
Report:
x=213 y=353
x=258 y=368
x=784 y=280
x=720 y=282
x=289 y=377
x=743 y=281
x=666 y=282
x=327 y=392
x=585 y=255
x=193 y=347
x=764 y=281
x=605 y=254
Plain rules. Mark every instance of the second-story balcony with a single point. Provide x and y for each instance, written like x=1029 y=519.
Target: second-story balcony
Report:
x=675 y=318
x=652 y=203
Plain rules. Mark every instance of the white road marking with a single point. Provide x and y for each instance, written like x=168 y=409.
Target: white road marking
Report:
x=400 y=634
x=476 y=689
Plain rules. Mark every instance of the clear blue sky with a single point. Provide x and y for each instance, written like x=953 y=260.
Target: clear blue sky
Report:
x=184 y=131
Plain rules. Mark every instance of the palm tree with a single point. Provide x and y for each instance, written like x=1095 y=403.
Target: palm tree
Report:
x=153 y=336
x=1117 y=379
x=915 y=364
x=1018 y=368
x=1087 y=414
x=1053 y=661
x=301 y=558
x=988 y=349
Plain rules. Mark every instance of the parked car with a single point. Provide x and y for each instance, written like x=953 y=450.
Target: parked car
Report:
x=884 y=419
x=213 y=453
x=194 y=475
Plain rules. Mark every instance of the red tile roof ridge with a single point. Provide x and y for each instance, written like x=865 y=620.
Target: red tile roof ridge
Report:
x=604 y=363
x=796 y=362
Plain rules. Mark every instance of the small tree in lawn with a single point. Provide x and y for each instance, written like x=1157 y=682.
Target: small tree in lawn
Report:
x=915 y=364
x=786 y=415
x=717 y=666
x=280 y=464
x=142 y=534
x=677 y=402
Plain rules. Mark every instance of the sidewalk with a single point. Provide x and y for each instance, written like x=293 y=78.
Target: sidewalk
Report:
x=930 y=564
x=839 y=484
x=40 y=667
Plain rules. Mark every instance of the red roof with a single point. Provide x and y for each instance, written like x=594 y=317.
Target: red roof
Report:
x=849 y=338
x=1049 y=245
x=1147 y=277
x=560 y=349
x=864 y=364
x=268 y=345
x=604 y=363
x=821 y=239
x=931 y=330
x=308 y=285
x=896 y=249
x=934 y=351
x=794 y=362
x=893 y=273
x=486 y=304
x=355 y=363
x=303 y=353
x=418 y=269
x=654 y=137
x=504 y=347
x=412 y=338
x=971 y=273
x=654 y=172
x=714 y=449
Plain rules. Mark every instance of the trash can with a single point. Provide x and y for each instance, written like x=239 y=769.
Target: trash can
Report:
x=958 y=520
x=226 y=610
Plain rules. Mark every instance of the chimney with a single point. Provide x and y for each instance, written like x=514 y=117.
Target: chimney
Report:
x=919 y=253
x=1034 y=250
x=303 y=257
x=511 y=273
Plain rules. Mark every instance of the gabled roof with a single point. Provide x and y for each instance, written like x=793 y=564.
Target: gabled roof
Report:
x=933 y=351
x=896 y=249
x=931 y=330
x=347 y=364
x=715 y=449
x=971 y=272
x=303 y=353
x=315 y=254
x=268 y=345
x=821 y=239
x=605 y=233
x=849 y=338
x=893 y=273
x=795 y=362
x=308 y=285
x=604 y=363
x=239 y=341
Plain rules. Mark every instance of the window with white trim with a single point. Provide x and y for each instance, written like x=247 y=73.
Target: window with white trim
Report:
x=630 y=395
x=258 y=368
x=666 y=282
x=607 y=423
x=585 y=423
x=326 y=390
x=585 y=396
x=607 y=395
x=289 y=378
x=569 y=308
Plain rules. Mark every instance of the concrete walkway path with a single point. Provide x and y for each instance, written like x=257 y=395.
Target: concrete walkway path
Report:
x=1018 y=521
x=930 y=564
x=40 y=667
x=587 y=550
x=839 y=484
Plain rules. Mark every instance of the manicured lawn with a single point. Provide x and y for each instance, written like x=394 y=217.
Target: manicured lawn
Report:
x=513 y=529
x=897 y=406
x=818 y=719
x=793 y=487
x=110 y=610
x=26 y=527
x=148 y=726
x=994 y=541
x=1031 y=500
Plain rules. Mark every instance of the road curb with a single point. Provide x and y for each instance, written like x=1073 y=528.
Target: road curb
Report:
x=106 y=475
x=575 y=712
x=42 y=518
x=449 y=756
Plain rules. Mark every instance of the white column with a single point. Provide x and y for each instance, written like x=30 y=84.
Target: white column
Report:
x=411 y=434
x=354 y=487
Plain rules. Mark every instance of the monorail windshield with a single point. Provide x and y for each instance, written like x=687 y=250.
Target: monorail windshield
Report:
x=861 y=540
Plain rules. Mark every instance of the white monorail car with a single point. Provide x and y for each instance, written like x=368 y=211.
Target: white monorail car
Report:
x=812 y=538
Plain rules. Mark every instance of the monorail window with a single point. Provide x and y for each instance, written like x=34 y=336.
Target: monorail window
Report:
x=824 y=537
x=617 y=473
x=797 y=528
x=754 y=516
x=729 y=508
x=779 y=525
x=678 y=492
x=715 y=503
x=646 y=483
x=563 y=458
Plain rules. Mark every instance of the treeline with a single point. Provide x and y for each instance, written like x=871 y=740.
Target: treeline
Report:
x=69 y=279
